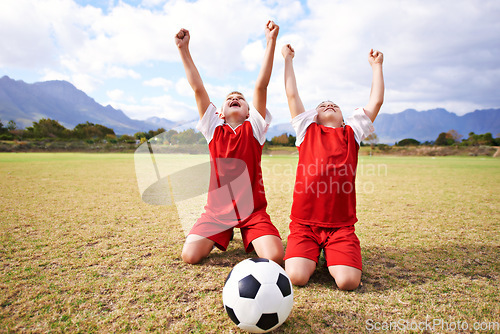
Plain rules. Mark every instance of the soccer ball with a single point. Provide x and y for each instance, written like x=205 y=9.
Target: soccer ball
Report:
x=258 y=295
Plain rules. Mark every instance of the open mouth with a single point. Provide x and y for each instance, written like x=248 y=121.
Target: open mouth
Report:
x=235 y=104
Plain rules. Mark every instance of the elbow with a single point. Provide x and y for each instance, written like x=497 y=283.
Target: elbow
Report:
x=377 y=102
x=260 y=89
x=198 y=90
x=290 y=95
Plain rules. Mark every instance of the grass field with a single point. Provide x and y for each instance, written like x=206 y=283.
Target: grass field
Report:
x=80 y=251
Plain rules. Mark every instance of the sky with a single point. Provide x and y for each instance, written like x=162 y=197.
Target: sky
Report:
x=437 y=54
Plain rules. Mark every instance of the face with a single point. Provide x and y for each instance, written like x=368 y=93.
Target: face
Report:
x=329 y=114
x=235 y=106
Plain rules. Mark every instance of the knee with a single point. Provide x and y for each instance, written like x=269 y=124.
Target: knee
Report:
x=347 y=283
x=347 y=278
x=277 y=256
x=189 y=258
x=298 y=278
x=195 y=249
x=269 y=248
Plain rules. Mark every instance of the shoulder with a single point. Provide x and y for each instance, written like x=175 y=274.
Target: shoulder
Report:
x=361 y=124
x=259 y=124
x=209 y=122
x=301 y=124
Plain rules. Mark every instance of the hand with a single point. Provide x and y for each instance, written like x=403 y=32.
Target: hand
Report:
x=182 y=38
x=375 y=57
x=272 y=30
x=287 y=50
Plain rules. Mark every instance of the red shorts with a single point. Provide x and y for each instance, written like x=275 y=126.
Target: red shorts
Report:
x=341 y=244
x=255 y=226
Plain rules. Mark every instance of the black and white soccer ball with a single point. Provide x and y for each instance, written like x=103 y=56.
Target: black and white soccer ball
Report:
x=258 y=295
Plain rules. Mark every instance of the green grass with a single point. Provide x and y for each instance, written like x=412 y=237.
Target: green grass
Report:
x=80 y=251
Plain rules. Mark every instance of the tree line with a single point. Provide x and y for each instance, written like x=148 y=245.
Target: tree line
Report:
x=47 y=128
x=453 y=138
x=450 y=138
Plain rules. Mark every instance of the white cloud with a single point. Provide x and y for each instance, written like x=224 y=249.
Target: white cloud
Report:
x=437 y=53
x=432 y=51
x=166 y=106
x=115 y=94
x=159 y=82
x=121 y=72
x=183 y=88
x=252 y=55
x=153 y=3
x=286 y=10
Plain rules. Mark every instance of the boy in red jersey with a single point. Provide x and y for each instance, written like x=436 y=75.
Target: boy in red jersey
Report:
x=235 y=139
x=324 y=199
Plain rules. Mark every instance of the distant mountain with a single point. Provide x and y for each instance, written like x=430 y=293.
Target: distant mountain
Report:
x=427 y=125
x=422 y=125
x=159 y=122
x=60 y=100
x=279 y=129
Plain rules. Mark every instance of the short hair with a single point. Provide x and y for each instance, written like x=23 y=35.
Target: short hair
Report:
x=343 y=122
x=237 y=93
x=326 y=101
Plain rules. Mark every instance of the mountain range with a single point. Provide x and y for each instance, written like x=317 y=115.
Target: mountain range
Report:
x=422 y=125
x=59 y=100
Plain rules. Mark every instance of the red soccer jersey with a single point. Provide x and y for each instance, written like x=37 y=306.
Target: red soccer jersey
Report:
x=236 y=191
x=325 y=192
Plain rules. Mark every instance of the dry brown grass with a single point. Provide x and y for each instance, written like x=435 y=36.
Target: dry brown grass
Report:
x=80 y=251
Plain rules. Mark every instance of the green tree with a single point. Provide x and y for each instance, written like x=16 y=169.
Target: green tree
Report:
x=408 y=142
x=11 y=126
x=169 y=134
x=47 y=128
x=188 y=136
x=483 y=139
x=126 y=139
x=92 y=131
x=445 y=139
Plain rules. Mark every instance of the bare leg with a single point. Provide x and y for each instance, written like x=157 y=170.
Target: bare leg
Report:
x=269 y=247
x=346 y=278
x=299 y=269
x=196 y=248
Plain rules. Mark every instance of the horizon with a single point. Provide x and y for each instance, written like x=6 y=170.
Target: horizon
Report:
x=186 y=121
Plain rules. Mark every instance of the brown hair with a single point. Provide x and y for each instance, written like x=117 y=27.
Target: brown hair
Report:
x=237 y=93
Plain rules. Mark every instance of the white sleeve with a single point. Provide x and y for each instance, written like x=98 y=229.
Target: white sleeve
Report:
x=260 y=125
x=361 y=124
x=301 y=122
x=209 y=122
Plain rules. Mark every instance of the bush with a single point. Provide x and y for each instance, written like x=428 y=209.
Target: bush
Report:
x=6 y=136
x=408 y=142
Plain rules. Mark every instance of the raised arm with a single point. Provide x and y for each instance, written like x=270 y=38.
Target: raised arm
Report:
x=192 y=74
x=375 y=58
x=292 y=94
x=260 y=93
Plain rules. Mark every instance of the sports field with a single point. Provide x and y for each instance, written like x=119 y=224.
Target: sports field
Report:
x=81 y=252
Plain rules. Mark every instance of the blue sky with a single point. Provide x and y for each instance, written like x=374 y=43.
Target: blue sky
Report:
x=438 y=54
